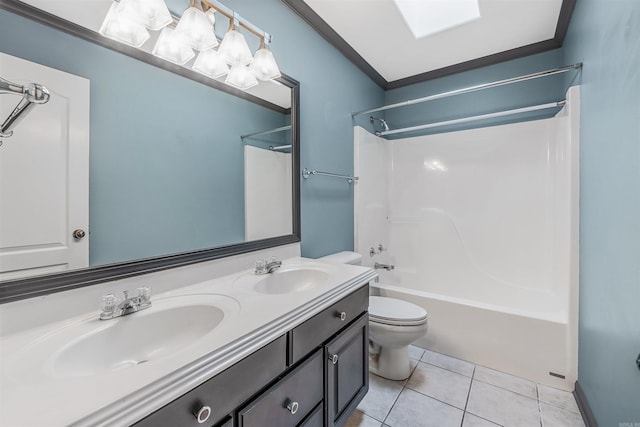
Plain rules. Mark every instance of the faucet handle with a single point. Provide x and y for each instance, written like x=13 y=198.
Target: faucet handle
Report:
x=108 y=303
x=261 y=264
x=275 y=260
x=144 y=293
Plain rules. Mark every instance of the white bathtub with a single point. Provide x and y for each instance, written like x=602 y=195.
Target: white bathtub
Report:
x=524 y=343
x=482 y=227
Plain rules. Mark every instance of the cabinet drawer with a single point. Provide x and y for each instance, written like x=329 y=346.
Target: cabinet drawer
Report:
x=315 y=331
x=303 y=389
x=226 y=391
x=316 y=419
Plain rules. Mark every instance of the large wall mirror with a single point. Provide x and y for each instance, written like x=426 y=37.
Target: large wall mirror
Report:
x=135 y=164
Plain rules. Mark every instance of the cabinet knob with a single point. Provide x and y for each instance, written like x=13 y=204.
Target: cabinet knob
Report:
x=334 y=359
x=342 y=315
x=203 y=414
x=78 y=234
x=292 y=407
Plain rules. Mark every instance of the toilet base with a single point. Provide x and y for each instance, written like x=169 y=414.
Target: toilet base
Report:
x=391 y=363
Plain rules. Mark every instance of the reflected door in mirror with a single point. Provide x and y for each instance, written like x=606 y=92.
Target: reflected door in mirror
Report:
x=44 y=175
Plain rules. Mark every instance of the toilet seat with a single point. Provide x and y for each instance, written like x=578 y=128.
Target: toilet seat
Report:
x=395 y=312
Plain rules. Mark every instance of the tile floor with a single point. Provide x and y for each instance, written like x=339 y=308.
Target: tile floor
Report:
x=447 y=392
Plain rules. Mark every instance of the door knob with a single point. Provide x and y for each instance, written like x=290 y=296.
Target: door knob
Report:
x=78 y=234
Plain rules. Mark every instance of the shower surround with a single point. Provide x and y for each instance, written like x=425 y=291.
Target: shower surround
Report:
x=482 y=227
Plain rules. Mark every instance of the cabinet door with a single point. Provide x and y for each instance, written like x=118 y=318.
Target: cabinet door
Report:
x=347 y=371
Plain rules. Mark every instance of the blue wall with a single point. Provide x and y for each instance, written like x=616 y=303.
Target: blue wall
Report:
x=331 y=87
x=605 y=35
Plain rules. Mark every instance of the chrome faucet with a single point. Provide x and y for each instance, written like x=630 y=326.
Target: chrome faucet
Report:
x=264 y=267
x=112 y=307
x=388 y=267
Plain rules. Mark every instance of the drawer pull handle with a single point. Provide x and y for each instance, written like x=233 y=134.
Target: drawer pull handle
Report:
x=342 y=316
x=334 y=359
x=203 y=414
x=292 y=407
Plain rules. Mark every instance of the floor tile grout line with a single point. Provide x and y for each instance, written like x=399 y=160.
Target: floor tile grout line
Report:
x=515 y=392
x=395 y=401
x=464 y=413
x=539 y=407
x=434 y=398
x=447 y=369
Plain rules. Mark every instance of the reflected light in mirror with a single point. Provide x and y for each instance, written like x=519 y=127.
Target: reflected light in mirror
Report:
x=241 y=77
x=173 y=47
x=211 y=64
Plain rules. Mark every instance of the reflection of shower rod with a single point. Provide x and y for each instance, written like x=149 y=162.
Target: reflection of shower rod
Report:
x=279 y=147
x=31 y=94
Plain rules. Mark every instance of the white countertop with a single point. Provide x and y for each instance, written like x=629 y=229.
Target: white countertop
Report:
x=34 y=394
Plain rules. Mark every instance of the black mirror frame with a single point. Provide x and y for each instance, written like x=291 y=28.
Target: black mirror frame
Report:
x=14 y=290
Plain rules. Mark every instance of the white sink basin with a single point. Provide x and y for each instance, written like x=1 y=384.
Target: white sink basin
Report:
x=287 y=279
x=95 y=347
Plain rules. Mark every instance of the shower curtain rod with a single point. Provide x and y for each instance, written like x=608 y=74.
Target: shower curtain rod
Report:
x=474 y=88
x=474 y=118
x=266 y=132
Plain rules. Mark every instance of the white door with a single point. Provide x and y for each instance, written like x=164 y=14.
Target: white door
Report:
x=44 y=175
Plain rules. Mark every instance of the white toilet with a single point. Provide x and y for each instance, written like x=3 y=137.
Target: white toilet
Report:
x=393 y=325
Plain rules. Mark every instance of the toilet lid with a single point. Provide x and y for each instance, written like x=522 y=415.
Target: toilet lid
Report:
x=392 y=311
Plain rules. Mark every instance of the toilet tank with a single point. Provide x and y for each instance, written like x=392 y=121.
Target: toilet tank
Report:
x=345 y=257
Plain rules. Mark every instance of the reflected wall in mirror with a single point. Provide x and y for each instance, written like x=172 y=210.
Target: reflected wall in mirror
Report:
x=147 y=158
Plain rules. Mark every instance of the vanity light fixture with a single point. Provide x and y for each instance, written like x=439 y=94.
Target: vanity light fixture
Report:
x=119 y=25
x=197 y=28
x=211 y=64
x=264 y=64
x=241 y=77
x=173 y=47
x=234 y=47
x=128 y=21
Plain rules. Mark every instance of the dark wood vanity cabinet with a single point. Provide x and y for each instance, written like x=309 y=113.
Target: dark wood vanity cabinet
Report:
x=313 y=376
x=347 y=373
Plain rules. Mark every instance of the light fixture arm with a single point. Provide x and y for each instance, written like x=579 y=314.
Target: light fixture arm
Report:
x=233 y=16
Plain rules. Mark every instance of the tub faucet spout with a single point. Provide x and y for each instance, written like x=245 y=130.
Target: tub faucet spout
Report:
x=388 y=267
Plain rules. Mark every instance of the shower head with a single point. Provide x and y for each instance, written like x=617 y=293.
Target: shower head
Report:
x=384 y=124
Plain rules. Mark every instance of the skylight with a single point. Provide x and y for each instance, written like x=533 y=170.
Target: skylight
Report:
x=426 y=17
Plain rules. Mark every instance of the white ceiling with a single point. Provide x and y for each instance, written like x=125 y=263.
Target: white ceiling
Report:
x=376 y=30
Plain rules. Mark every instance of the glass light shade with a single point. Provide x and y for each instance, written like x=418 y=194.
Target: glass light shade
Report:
x=234 y=49
x=196 y=28
x=211 y=64
x=123 y=27
x=241 y=78
x=264 y=65
x=173 y=47
x=153 y=14
x=211 y=16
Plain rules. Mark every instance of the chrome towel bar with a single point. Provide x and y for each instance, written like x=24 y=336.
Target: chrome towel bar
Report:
x=306 y=173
